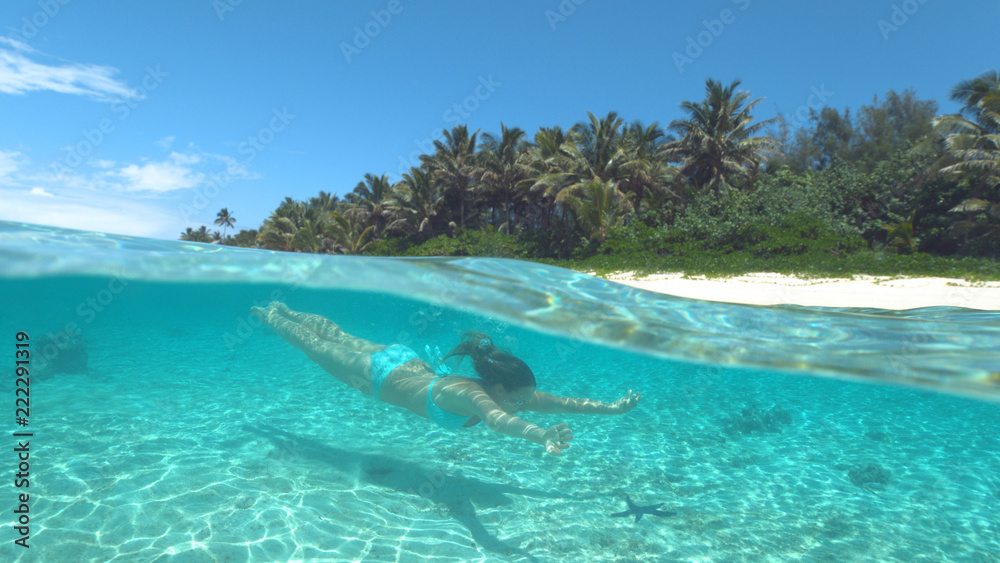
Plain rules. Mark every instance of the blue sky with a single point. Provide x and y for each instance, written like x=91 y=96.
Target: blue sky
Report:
x=144 y=118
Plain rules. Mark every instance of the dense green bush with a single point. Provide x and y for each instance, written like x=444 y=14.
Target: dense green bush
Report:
x=389 y=247
x=798 y=234
x=795 y=234
x=487 y=243
x=633 y=238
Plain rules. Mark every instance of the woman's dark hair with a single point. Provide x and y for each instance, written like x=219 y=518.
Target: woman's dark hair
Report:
x=493 y=364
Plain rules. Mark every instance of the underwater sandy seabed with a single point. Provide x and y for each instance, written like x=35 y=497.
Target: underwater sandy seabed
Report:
x=177 y=446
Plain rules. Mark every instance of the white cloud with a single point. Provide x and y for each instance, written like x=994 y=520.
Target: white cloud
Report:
x=234 y=168
x=93 y=212
x=166 y=142
x=144 y=198
x=20 y=74
x=179 y=158
x=16 y=45
x=9 y=162
x=158 y=177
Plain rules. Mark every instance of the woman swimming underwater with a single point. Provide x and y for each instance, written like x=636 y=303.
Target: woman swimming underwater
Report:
x=395 y=375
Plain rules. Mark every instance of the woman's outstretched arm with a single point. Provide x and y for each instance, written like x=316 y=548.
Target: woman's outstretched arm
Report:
x=555 y=439
x=552 y=404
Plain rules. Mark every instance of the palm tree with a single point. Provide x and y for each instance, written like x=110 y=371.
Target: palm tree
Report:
x=598 y=148
x=504 y=167
x=246 y=238
x=548 y=160
x=349 y=232
x=979 y=94
x=323 y=203
x=225 y=220
x=597 y=205
x=899 y=236
x=279 y=229
x=972 y=140
x=976 y=150
x=290 y=209
x=544 y=158
x=422 y=198
x=643 y=169
x=591 y=150
x=278 y=233
x=201 y=235
x=379 y=203
x=454 y=163
x=310 y=226
x=717 y=142
x=310 y=237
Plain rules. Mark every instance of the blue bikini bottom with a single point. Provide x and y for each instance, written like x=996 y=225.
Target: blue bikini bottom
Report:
x=385 y=361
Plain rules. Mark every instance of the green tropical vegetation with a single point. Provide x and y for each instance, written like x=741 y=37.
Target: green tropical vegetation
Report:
x=892 y=188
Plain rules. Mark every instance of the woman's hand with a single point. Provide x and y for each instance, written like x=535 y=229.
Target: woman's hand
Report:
x=557 y=438
x=626 y=403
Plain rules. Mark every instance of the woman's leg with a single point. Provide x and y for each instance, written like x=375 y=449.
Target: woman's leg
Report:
x=327 y=329
x=340 y=359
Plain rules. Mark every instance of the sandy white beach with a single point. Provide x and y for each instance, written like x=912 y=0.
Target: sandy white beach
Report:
x=860 y=291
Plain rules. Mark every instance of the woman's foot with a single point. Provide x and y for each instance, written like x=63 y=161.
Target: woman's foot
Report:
x=261 y=313
x=265 y=313
x=280 y=307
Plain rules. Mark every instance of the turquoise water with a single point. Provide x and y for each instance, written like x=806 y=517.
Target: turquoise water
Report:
x=176 y=428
